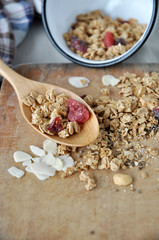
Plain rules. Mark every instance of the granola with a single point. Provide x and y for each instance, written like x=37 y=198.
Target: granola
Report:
x=90 y=182
x=123 y=124
x=98 y=37
x=54 y=114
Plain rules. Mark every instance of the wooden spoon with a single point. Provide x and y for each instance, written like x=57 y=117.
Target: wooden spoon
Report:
x=23 y=86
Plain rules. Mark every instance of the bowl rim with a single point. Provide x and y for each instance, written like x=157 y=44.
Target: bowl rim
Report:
x=122 y=57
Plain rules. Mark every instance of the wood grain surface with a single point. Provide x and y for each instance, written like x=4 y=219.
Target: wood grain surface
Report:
x=61 y=208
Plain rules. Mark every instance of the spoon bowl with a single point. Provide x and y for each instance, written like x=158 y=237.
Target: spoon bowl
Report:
x=23 y=86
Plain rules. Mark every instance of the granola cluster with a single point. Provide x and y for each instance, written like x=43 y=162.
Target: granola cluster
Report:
x=48 y=108
x=86 y=36
x=123 y=124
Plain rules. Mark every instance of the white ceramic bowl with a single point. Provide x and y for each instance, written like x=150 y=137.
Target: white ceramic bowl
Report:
x=59 y=15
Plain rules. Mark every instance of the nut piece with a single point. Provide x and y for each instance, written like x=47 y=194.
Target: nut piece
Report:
x=122 y=179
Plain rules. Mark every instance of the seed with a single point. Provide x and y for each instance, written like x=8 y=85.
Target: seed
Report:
x=122 y=179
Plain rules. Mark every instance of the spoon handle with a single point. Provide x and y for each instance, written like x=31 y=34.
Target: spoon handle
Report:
x=15 y=79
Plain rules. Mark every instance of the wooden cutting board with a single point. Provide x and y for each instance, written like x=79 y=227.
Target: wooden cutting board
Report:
x=61 y=208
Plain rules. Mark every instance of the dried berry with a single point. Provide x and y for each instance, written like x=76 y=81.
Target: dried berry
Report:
x=109 y=39
x=75 y=25
x=124 y=21
x=55 y=126
x=121 y=41
x=156 y=113
x=77 y=111
x=78 y=44
x=83 y=96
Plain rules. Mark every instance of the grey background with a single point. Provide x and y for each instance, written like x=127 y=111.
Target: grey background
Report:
x=36 y=47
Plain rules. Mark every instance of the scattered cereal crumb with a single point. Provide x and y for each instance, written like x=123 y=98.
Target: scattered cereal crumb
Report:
x=105 y=91
x=139 y=191
x=122 y=179
x=90 y=182
x=16 y=172
x=144 y=175
x=79 y=82
x=152 y=151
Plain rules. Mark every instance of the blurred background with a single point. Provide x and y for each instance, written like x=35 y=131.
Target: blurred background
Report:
x=36 y=47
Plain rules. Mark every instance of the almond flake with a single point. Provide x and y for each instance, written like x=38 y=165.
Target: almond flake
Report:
x=41 y=177
x=58 y=164
x=68 y=162
x=50 y=146
x=110 y=80
x=16 y=172
x=20 y=156
x=37 y=159
x=28 y=169
x=26 y=163
x=42 y=168
x=62 y=157
x=79 y=82
x=37 y=151
x=49 y=159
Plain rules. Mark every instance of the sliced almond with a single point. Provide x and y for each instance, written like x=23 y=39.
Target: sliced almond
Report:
x=79 y=82
x=28 y=169
x=62 y=157
x=20 y=156
x=67 y=162
x=16 y=172
x=50 y=146
x=58 y=164
x=37 y=151
x=26 y=163
x=49 y=159
x=41 y=177
x=42 y=168
x=110 y=80
x=37 y=159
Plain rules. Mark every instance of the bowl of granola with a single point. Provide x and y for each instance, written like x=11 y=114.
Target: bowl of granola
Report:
x=99 y=33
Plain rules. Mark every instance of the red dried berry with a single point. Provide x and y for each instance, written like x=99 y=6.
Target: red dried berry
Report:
x=124 y=21
x=109 y=39
x=78 y=44
x=156 y=113
x=77 y=111
x=120 y=40
x=55 y=126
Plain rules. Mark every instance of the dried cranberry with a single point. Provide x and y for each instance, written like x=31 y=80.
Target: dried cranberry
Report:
x=74 y=25
x=78 y=44
x=109 y=39
x=83 y=96
x=77 y=111
x=120 y=40
x=55 y=126
x=156 y=113
x=124 y=21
